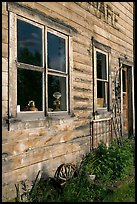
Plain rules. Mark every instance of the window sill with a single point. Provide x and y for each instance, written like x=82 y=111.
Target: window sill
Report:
x=102 y=113
x=36 y=120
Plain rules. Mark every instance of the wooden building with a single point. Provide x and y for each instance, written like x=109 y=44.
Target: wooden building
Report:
x=62 y=66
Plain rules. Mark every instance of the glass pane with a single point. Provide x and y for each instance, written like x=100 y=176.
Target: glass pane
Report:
x=101 y=66
x=102 y=94
x=56 y=93
x=29 y=88
x=29 y=43
x=56 y=52
x=124 y=80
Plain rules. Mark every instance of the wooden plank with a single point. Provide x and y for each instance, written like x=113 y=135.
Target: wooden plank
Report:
x=125 y=15
x=59 y=9
x=4 y=92
x=83 y=94
x=88 y=28
x=4 y=78
x=5 y=50
x=82 y=77
x=4 y=35
x=4 y=64
x=131 y=4
x=100 y=22
x=4 y=21
x=39 y=155
x=4 y=10
x=83 y=85
x=77 y=24
x=117 y=47
x=4 y=108
x=82 y=49
x=83 y=59
x=124 y=9
x=112 y=38
x=129 y=7
x=71 y=20
x=83 y=68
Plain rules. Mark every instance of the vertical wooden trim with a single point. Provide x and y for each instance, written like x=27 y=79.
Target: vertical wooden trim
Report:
x=121 y=80
x=45 y=70
x=12 y=64
x=95 y=81
x=46 y=74
x=109 y=83
x=70 y=76
x=133 y=100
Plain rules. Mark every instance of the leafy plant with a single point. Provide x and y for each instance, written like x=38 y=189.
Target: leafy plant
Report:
x=108 y=164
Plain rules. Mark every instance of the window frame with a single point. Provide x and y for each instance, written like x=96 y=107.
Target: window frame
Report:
x=29 y=115
x=102 y=80
x=26 y=66
x=57 y=72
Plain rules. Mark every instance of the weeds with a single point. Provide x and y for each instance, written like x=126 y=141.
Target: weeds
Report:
x=107 y=164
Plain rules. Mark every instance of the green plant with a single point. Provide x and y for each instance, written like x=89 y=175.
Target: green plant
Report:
x=45 y=191
x=108 y=164
x=26 y=195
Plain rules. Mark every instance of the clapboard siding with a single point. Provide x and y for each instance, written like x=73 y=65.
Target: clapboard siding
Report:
x=4 y=8
x=44 y=144
x=4 y=21
x=124 y=8
x=121 y=21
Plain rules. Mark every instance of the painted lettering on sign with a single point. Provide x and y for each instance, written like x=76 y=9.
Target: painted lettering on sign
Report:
x=104 y=11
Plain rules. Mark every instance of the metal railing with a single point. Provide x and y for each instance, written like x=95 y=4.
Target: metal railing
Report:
x=101 y=131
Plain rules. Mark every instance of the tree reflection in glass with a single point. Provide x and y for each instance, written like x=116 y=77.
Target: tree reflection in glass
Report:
x=56 y=52
x=29 y=43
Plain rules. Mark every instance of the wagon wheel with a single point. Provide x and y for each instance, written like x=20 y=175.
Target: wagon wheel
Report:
x=65 y=172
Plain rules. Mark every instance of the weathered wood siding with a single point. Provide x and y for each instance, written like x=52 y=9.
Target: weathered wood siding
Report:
x=33 y=145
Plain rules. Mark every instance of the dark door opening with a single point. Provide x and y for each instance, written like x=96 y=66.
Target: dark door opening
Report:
x=127 y=104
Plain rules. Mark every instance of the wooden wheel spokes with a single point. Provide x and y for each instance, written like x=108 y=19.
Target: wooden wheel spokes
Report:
x=65 y=172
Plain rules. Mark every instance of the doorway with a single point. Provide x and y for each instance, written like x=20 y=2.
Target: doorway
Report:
x=127 y=100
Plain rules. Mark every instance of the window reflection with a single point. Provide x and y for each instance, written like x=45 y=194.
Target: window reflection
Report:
x=56 y=84
x=124 y=80
x=56 y=52
x=102 y=93
x=29 y=88
x=101 y=66
x=29 y=43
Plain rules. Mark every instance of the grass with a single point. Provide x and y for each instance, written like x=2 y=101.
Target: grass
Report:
x=124 y=193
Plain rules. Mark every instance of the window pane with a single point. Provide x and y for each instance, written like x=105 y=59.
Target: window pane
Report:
x=102 y=93
x=124 y=80
x=101 y=66
x=29 y=87
x=29 y=43
x=56 y=52
x=56 y=84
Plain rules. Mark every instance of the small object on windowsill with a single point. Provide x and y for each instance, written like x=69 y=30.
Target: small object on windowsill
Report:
x=18 y=108
x=50 y=109
x=56 y=102
x=31 y=106
x=100 y=102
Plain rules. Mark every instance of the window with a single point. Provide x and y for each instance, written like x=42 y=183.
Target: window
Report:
x=101 y=79
x=30 y=67
x=124 y=80
x=57 y=65
x=42 y=68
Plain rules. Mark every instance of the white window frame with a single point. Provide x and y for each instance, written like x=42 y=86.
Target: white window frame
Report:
x=104 y=80
x=33 y=67
x=57 y=72
x=13 y=64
